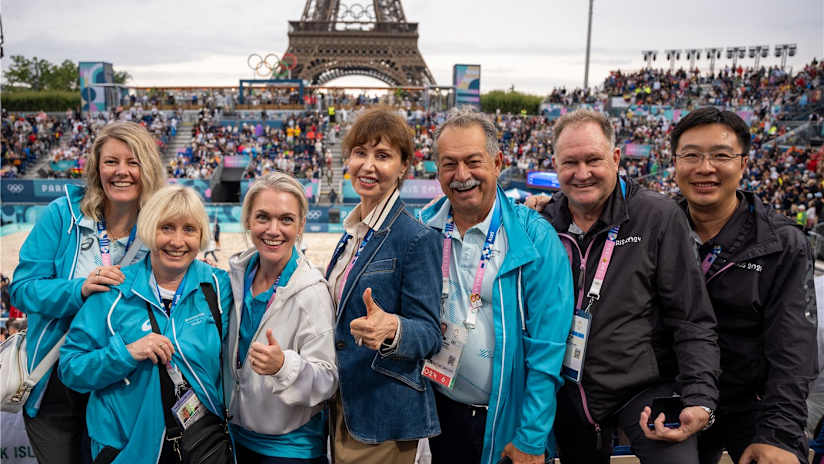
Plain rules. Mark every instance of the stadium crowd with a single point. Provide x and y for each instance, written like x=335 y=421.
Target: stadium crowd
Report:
x=26 y=139
x=296 y=146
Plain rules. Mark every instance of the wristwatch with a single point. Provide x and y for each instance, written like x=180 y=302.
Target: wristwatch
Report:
x=711 y=419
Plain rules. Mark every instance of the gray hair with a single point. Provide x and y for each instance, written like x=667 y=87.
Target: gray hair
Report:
x=469 y=118
x=580 y=117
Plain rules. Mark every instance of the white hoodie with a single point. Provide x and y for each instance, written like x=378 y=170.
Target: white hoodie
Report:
x=302 y=321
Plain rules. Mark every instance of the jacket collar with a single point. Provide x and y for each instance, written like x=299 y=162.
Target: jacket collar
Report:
x=141 y=277
x=369 y=251
x=759 y=239
x=521 y=250
x=615 y=213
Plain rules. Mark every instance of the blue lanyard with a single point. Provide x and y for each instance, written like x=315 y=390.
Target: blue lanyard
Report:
x=105 y=242
x=342 y=245
x=178 y=293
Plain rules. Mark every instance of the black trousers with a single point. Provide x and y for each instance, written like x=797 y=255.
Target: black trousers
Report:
x=58 y=433
x=734 y=431
x=462 y=432
x=577 y=440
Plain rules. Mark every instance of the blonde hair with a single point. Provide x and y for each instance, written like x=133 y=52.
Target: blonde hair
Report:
x=279 y=182
x=168 y=203
x=143 y=147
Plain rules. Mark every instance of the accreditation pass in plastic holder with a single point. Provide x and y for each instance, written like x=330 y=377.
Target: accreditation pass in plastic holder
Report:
x=443 y=366
x=188 y=409
x=576 y=346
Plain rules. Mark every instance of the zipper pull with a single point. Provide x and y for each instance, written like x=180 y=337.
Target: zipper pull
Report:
x=598 y=441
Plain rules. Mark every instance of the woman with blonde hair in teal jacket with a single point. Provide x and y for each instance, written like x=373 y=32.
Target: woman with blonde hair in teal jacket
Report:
x=76 y=249
x=158 y=320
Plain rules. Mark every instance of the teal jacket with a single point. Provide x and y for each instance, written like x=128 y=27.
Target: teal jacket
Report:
x=533 y=308
x=125 y=409
x=45 y=286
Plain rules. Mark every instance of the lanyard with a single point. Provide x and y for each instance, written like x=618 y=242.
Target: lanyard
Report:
x=603 y=264
x=710 y=258
x=475 y=302
x=251 y=278
x=105 y=243
x=351 y=264
x=178 y=292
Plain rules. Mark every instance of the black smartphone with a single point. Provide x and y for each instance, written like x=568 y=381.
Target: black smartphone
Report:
x=671 y=406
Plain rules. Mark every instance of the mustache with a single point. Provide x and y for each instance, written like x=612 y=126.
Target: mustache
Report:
x=464 y=185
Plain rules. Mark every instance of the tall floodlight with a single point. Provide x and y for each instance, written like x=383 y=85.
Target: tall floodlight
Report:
x=649 y=57
x=734 y=53
x=713 y=54
x=692 y=55
x=758 y=52
x=589 y=39
x=673 y=55
x=783 y=51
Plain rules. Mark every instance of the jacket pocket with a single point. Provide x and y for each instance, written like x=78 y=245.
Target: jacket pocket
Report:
x=383 y=265
x=407 y=372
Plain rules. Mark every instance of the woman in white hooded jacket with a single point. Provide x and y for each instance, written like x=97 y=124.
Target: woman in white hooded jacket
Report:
x=280 y=357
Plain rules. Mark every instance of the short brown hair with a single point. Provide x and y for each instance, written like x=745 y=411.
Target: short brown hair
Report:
x=580 y=117
x=375 y=124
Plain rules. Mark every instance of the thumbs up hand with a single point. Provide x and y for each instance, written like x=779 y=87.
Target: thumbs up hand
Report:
x=376 y=327
x=266 y=359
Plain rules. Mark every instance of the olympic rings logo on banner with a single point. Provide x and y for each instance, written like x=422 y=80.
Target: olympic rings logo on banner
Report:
x=271 y=65
x=14 y=188
x=313 y=214
x=356 y=12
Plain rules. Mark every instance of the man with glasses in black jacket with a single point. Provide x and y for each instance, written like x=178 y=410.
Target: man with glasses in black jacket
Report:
x=758 y=269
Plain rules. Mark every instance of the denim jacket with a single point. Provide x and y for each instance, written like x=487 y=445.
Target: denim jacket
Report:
x=386 y=397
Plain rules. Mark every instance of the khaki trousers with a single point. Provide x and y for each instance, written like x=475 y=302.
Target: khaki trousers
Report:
x=348 y=450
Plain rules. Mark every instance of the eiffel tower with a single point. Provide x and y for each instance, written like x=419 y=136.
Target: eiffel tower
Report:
x=333 y=40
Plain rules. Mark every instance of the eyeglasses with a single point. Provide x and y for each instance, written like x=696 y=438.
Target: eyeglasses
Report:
x=716 y=159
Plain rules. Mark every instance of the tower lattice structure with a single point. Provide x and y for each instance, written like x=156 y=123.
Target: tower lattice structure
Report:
x=374 y=39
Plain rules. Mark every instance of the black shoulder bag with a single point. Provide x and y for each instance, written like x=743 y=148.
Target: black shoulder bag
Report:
x=206 y=441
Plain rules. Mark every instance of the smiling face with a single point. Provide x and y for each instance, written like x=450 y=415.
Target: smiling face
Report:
x=119 y=171
x=274 y=225
x=467 y=173
x=177 y=243
x=375 y=169
x=587 y=166
x=704 y=184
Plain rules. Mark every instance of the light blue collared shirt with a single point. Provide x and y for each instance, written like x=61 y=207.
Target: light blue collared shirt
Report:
x=473 y=381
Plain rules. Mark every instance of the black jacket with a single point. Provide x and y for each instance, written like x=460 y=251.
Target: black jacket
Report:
x=653 y=321
x=761 y=286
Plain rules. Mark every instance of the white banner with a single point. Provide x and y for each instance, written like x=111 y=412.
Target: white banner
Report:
x=14 y=444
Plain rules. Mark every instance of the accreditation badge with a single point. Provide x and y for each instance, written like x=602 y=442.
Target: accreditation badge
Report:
x=188 y=409
x=573 y=368
x=444 y=365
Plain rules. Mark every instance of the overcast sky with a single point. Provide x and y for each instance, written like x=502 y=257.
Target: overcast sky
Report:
x=534 y=45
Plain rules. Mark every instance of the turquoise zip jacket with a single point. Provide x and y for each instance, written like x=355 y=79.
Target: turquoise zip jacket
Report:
x=125 y=410
x=533 y=308
x=45 y=286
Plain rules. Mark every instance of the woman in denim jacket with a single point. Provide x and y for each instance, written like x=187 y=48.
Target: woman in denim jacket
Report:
x=385 y=279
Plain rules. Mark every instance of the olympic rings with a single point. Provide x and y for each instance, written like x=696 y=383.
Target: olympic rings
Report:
x=272 y=66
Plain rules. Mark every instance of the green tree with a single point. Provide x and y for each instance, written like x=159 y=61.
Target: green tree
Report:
x=121 y=77
x=33 y=73
x=63 y=77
